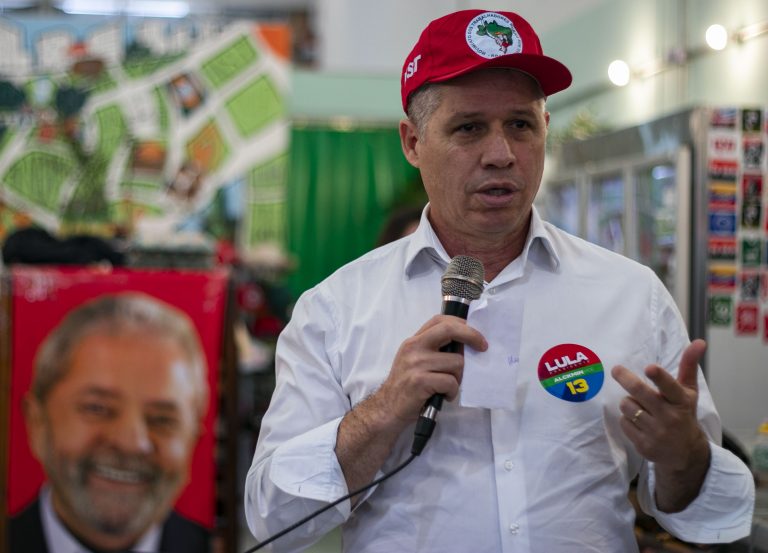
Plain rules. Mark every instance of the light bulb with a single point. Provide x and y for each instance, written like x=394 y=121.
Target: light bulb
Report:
x=716 y=37
x=618 y=72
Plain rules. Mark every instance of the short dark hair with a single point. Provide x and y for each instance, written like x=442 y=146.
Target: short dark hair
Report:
x=423 y=104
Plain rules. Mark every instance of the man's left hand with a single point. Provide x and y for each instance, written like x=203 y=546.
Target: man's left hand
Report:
x=662 y=425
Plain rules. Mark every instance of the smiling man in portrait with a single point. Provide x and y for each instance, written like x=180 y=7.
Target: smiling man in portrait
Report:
x=115 y=410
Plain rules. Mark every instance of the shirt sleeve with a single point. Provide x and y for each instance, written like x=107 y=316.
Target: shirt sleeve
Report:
x=295 y=470
x=722 y=512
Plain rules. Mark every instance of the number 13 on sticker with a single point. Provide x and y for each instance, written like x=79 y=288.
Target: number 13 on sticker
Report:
x=578 y=386
x=571 y=372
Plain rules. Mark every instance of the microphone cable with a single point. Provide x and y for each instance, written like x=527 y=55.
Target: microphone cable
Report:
x=309 y=517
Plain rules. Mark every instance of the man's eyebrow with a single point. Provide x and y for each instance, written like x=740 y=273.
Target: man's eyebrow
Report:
x=166 y=405
x=516 y=112
x=98 y=391
x=466 y=114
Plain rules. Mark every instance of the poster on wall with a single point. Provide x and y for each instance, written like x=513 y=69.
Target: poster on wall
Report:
x=143 y=127
x=113 y=403
x=738 y=225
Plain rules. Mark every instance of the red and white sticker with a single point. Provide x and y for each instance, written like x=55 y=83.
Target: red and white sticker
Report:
x=571 y=372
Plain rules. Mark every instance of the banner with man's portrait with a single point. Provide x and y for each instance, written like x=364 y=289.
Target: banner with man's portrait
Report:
x=113 y=402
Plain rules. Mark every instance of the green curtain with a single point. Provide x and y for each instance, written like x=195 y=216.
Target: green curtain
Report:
x=341 y=187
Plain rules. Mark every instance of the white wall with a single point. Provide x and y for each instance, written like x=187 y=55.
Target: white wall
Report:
x=640 y=31
x=372 y=36
x=363 y=44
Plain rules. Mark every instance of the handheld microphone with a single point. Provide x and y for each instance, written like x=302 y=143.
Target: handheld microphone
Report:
x=461 y=283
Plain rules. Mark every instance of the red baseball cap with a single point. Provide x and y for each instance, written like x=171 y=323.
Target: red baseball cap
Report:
x=467 y=40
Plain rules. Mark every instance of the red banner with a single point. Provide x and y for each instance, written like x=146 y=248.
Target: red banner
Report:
x=41 y=299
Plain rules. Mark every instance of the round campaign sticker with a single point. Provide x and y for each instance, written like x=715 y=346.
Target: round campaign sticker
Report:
x=571 y=372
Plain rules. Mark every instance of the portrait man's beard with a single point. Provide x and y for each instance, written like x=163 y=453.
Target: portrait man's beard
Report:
x=142 y=490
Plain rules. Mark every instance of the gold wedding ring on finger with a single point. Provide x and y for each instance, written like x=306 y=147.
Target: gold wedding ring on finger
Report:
x=636 y=416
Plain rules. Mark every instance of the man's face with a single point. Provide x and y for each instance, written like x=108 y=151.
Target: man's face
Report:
x=481 y=155
x=116 y=434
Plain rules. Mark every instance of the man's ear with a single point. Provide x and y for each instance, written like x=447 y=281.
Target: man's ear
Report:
x=409 y=137
x=34 y=416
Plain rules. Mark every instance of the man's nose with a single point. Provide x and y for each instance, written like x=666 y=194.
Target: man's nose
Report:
x=497 y=150
x=130 y=433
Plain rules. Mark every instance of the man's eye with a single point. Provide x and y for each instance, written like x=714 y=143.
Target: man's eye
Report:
x=467 y=128
x=162 y=422
x=96 y=410
x=520 y=124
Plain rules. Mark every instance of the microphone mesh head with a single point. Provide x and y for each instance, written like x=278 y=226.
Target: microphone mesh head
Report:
x=463 y=278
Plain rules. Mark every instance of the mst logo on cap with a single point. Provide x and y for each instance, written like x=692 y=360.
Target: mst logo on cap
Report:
x=491 y=35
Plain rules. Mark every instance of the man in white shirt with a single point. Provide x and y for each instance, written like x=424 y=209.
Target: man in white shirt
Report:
x=537 y=446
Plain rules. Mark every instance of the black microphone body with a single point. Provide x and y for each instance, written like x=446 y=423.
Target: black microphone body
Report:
x=461 y=283
x=458 y=307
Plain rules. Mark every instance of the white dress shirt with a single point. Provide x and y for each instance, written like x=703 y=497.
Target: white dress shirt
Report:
x=548 y=473
x=59 y=539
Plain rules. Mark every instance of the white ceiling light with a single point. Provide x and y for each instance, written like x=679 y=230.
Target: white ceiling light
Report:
x=618 y=72
x=716 y=37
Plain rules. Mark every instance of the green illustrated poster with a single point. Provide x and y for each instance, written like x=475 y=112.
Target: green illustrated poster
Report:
x=144 y=127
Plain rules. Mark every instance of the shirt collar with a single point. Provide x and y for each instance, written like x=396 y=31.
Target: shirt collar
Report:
x=541 y=233
x=56 y=534
x=424 y=247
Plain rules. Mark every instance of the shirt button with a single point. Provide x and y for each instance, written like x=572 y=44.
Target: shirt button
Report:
x=514 y=529
x=492 y=291
x=508 y=465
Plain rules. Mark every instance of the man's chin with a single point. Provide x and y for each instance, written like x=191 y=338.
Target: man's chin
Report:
x=118 y=516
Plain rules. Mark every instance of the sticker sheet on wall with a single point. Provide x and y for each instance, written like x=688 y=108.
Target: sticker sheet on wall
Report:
x=738 y=226
x=148 y=125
